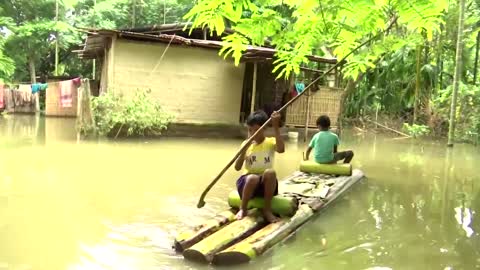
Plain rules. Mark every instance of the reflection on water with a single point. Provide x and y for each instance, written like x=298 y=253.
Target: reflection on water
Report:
x=117 y=205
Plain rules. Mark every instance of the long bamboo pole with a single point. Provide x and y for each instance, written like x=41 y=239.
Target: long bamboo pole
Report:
x=201 y=201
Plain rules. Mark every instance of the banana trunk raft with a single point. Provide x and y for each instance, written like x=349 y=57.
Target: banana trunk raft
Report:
x=222 y=240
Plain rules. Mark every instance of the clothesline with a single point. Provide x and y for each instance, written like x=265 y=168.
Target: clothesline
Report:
x=18 y=95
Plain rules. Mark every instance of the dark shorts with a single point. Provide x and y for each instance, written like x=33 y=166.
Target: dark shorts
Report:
x=259 y=190
x=341 y=155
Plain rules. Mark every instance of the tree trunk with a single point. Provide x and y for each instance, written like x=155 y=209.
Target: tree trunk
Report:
x=56 y=39
x=31 y=65
x=458 y=74
x=164 y=11
x=33 y=79
x=235 y=231
x=349 y=89
x=428 y=84
x=263 y=239
x=417 y=84
x=133 y=13
x=475 y=69
x=94 y=62
x=191 y=236
x=438 y=84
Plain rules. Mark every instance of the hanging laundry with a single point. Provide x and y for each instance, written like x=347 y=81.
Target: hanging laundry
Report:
x=77 y=82
x=66 y=90
x=299 y=87
x=17 y=98
x=293 y=92
x=36 y=87
x=9 y=103
x=2 y=95
x=25 y=94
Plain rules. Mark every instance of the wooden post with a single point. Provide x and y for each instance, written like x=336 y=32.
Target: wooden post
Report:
x=79 y=110
x=93 y=69
x=335 y=84
x=111 y=65
x=254 y=89
x=307 y=115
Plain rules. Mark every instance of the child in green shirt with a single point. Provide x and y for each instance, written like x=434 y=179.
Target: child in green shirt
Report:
x=325 y=144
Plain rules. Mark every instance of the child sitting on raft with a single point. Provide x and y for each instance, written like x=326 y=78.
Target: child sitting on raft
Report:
x=259 y=179
x=325 y=144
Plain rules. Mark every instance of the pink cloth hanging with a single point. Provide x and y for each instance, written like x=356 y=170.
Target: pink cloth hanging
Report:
x=66 y=89
x=66 y=92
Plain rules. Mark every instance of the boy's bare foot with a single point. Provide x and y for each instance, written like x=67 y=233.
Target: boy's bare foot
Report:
x=270 y=217
x=241 y=214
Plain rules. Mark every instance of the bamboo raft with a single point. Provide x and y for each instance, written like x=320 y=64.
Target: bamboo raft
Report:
x=222 y=240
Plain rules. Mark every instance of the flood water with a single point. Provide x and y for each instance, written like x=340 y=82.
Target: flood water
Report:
x=117 y=205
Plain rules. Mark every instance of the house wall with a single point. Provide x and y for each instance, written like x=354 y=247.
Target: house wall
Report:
x=52 y=101
x=195 y=84
x=270 y=91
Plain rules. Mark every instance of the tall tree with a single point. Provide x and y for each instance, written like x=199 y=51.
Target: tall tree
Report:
x=475 y=66
x=7 y=65
x=31 y=40
x=458 y=73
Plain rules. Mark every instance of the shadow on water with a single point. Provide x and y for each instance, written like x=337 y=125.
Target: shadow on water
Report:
x=117 y=205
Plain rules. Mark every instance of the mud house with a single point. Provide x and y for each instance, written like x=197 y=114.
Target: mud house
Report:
x=188 y=77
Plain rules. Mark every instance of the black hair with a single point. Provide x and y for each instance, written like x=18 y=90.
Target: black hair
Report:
x=257 y=118
x=323 y=121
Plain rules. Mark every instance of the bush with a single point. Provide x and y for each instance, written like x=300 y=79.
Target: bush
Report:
x=138 y=115
x=416 y=130
x=467 y=127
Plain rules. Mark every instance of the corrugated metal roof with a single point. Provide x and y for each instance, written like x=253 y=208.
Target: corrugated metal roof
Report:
x=97 y=40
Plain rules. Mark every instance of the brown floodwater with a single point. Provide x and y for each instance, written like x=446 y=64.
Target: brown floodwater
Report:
x=117 y=204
